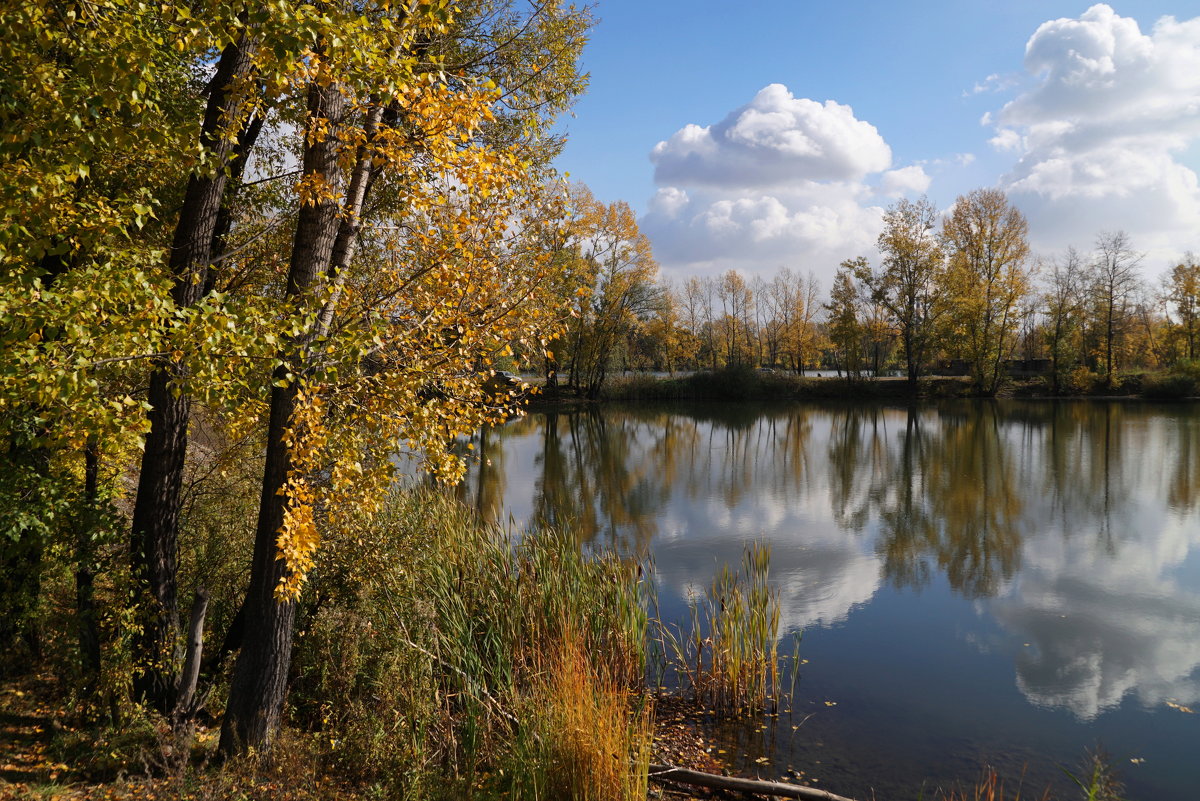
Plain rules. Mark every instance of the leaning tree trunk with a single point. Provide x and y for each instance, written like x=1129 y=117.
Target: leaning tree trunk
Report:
x=259 y=686
x=154 y=531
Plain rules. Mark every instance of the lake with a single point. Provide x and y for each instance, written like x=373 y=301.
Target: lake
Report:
x=1004 y=583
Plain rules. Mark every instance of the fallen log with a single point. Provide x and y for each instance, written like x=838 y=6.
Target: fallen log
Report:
x=695 y=778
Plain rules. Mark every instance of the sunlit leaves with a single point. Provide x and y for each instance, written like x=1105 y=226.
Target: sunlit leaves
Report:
x=987 y=278
x=395 y=348
x=100 y=111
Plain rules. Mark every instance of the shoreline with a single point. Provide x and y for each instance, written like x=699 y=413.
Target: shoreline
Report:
x=749 y=386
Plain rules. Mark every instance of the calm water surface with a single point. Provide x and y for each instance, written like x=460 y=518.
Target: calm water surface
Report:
x=976 y=583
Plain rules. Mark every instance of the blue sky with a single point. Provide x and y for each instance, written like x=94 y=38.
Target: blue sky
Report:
x=1097 y=129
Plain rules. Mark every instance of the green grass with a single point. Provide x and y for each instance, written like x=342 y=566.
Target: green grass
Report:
x=1170 y=386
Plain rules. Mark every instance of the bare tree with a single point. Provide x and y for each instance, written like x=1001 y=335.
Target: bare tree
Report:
x=1114 y=286
x=1064 y=309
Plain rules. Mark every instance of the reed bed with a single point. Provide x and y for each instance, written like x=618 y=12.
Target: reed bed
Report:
x=597 y=734
x=444 y=659
x=729 y=657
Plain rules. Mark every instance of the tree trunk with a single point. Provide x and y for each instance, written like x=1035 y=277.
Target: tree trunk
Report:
x=259 y=685
x=184 y=706
x=86 y=615
x=154 y=534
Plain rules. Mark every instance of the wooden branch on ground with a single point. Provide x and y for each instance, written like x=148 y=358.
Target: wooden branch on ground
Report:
x=695 y=778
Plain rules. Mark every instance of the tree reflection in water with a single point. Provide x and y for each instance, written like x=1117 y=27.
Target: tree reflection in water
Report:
x=1068 y=521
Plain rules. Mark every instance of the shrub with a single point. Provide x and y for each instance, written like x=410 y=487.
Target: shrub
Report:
x=1172 y=386
x=1083 y=381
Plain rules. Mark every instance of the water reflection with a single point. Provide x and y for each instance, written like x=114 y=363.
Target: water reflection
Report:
x=1072 y=529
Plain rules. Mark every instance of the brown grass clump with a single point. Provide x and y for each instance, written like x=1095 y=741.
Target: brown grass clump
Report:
x=596 y=732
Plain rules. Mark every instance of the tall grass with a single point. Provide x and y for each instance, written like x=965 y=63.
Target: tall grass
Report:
x=989 y=788
x=729 y=657
x=446 y=660
x=1097 y=781
x=595 y=734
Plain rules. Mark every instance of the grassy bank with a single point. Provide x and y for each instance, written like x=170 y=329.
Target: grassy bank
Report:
x=439 y=658
x=453 y=662
x=748 y=384
x=436 y=658
x=745 y=384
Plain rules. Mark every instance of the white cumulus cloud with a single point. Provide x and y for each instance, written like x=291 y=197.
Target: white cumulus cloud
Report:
x=1102 y=133
x=773 y=140
x=904 y=181
x=781 y=180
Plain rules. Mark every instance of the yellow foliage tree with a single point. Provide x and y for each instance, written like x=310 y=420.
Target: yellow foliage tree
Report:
x=622 y=294
x=909 y=281
x=392 y=312
x=987 y=278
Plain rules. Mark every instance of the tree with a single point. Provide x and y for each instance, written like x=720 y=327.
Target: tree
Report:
x=796 y=305
x=414 y=256
x=734 y=325
x=417 y=259
x=701 y=296
x=766 y=321
x=623 y=295
x=987 y=277
x=668 y=343
x=1183 y=293
x=908 y=282
x=229 y=129
x=846 y=329
x=689 y=308
x=96 y=105
x=1064 y=305
x=1113 y=288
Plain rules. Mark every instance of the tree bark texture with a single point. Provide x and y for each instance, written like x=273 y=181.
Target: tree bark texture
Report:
x=154 y=535
x=259 y=686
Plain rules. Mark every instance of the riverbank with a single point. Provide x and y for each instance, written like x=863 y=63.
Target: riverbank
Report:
x=437 y=657
x=40 y=757
x=759 y=385
x=441 y=660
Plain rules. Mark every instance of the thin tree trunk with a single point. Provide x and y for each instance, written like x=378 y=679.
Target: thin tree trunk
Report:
x=85 y=575
x=184 y=706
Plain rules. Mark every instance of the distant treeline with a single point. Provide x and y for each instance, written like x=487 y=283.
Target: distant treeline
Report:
x=959 y=294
